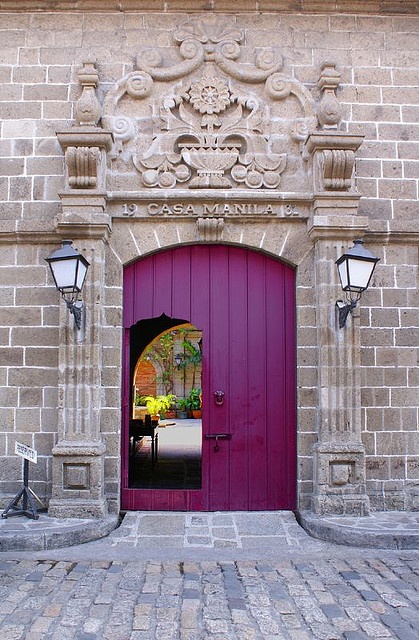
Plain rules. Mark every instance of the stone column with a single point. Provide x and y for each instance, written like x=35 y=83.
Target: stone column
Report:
x=339 y=459
x=78 y=456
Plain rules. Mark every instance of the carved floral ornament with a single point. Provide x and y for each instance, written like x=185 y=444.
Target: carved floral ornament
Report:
x=209 y=130
x=209 y=120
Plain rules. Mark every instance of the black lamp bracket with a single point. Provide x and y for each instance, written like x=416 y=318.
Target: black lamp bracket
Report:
x=344 y=311
x=76 y=309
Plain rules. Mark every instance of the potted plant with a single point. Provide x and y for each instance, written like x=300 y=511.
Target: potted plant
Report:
x=168 y=406
x=195 y=402
x=157 y=406
x=182 y=408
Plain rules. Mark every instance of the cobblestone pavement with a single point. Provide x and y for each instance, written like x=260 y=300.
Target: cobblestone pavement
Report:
x=279 y=584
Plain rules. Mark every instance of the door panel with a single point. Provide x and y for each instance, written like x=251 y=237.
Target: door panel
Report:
x=244 y=303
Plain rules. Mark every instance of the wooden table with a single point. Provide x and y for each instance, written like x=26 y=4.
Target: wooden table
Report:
x=138 y=430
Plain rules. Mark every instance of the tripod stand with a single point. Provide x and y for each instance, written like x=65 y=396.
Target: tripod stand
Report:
x=29 y=499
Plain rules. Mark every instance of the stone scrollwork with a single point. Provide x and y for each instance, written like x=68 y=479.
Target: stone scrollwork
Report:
x=208 y=129
x=213 y=139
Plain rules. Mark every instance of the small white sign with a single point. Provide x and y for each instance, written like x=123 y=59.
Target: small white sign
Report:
x=26 y=452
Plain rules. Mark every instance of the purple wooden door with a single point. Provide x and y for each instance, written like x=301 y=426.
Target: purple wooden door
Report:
x=244 y=303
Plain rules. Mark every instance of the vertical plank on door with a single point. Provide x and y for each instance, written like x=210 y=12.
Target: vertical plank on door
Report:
x=142 y=291
x=241 y=445
x=163 y=284
x=219 y=348
x=259 y=420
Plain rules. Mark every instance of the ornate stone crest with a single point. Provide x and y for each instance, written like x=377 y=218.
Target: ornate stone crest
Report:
x=208 y=129
x=212 y=121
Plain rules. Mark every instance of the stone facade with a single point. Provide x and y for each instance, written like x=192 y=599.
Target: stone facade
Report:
x=287 y=129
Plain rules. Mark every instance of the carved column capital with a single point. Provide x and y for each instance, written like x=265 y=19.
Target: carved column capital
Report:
x=85 y=157
x=332 y=159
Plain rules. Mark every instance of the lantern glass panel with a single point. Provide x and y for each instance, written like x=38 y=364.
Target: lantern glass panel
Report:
x=343 y=274
x=360 y=272
x=65 y=273
x=81 y=274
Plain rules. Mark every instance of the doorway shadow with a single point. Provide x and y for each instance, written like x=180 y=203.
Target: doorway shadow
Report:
x=178 y=464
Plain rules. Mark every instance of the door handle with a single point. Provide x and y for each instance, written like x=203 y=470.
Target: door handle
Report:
x=216 y=437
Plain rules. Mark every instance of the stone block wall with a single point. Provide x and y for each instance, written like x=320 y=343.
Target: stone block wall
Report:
x=376 y=55
x=389 y=335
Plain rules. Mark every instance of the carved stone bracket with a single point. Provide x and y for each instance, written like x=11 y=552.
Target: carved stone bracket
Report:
x=210 y=229
x=85 y=157
x=86 y=144
x=332 y=160
x=82 y=165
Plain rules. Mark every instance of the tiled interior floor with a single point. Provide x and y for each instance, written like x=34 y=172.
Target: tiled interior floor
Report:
x=178 y=465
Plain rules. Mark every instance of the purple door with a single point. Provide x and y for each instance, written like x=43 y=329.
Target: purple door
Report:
x=244 y=303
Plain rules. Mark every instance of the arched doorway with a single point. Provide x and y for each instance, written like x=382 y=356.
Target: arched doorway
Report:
x=244 y=304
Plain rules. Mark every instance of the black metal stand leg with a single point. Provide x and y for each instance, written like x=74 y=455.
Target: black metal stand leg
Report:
x=154 y=448
x=27 y=495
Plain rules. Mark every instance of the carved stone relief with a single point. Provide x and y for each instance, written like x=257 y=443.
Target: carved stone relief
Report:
x=209 y=121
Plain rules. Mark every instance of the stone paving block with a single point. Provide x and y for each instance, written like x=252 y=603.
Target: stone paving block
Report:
x=376 y=629
x=225 y=544
x=369 y=595
x=295 y=597
x=224 y=532
x=201 y=541
x=266 y=543
x=333 y=611
x=222 y=520
x=160 y=525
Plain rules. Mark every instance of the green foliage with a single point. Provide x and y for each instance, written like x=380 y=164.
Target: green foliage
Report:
x=192 y=357
x=159 y=404
x=182 y=404
x=160 y=352
x=194 y=399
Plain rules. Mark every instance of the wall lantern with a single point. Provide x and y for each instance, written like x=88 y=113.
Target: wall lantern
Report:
x=355 y=268
x=69 y=270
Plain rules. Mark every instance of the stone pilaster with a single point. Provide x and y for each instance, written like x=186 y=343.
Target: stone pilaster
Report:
x=78 y=457
x=339 y=458
x=339 y=464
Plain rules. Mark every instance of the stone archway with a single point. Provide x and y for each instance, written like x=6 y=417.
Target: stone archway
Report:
x=211 y=150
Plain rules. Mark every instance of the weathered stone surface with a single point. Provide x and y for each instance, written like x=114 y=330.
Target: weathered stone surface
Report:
x=284 y=187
